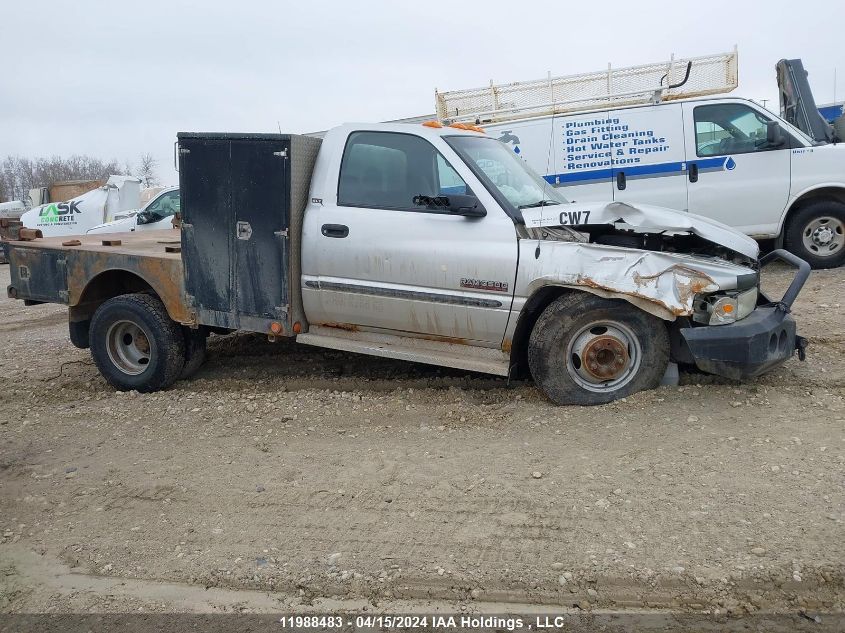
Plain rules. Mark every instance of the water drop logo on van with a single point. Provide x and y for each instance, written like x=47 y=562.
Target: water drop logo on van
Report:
x=59 y=213
x=719 y=163
x=509 y=138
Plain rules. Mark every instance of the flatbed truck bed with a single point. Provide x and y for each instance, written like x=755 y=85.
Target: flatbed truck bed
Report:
x=79 y=271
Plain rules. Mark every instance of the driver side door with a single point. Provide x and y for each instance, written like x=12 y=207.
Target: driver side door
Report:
x=733 y=175
x=375 y=260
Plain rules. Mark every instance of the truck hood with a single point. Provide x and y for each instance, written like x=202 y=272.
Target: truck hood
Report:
x=116 y=226
x=644 y=218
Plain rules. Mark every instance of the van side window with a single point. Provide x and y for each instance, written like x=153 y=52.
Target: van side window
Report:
x=387 y=170
x=730 y=128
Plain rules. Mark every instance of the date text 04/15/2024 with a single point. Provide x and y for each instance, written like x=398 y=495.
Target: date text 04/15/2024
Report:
x=444 y=622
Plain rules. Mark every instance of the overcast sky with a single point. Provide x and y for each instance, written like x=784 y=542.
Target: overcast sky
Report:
x=117 y=81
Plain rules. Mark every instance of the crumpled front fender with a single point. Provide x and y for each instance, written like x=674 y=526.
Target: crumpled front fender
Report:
x=663 y=284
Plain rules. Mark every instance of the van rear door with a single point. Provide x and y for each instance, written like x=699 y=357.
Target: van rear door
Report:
x=649 y=160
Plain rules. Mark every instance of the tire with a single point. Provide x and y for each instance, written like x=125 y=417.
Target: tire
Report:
x=629 y=350
x=135 y=344
x=816 y=233
x=195 y=351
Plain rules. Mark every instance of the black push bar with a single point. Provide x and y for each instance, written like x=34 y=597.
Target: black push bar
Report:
x=800 y=278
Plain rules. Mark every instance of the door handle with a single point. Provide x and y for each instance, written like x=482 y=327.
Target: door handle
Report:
x=335 y=230
x=693 y=172
x=243 y=230
x=620 y=180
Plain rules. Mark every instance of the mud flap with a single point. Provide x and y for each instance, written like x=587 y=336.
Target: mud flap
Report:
x=79 y=332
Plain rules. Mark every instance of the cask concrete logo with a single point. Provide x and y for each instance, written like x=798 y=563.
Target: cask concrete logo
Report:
x=59 y=213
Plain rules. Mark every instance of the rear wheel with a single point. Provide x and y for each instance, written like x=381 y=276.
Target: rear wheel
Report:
x=816 y=233
x=135 y=344
x=587 y=350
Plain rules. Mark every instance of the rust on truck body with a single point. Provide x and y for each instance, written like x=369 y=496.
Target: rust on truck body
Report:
x=142 y=255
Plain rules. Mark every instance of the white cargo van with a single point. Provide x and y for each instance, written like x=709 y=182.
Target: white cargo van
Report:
x=728 y=159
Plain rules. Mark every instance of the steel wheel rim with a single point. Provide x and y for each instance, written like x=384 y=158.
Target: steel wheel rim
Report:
x=603 y=356
x=824 y=236
x=128 y=347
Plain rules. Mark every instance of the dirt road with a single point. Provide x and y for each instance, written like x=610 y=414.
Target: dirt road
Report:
x=292 y=478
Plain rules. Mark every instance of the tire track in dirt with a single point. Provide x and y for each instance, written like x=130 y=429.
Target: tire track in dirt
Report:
x=39 y=322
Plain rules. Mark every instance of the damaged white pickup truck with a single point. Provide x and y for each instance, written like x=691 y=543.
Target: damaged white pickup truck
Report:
x=425 y=243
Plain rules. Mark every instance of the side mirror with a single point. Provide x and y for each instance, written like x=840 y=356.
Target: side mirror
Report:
x=774 y=134
x=148 y=217
x=467 y=206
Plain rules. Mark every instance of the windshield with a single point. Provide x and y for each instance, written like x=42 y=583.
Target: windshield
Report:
x=164 y=206
x=792 y=129
x=797 y=131
x=505 y=174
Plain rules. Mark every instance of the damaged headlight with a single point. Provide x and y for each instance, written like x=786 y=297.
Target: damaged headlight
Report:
x=724 y=307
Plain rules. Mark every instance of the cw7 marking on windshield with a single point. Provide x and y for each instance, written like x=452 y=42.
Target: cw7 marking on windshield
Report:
x=574 y=217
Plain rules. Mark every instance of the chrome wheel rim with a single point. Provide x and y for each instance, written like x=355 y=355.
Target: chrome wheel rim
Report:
x=603 y=356
x=128 y=347
x=824 y=236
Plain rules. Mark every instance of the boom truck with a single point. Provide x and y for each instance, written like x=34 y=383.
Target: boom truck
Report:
x=428 y=243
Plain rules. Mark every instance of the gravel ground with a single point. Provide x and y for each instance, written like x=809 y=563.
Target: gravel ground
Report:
x=288 y=477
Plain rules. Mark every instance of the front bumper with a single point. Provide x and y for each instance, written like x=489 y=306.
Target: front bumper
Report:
x=761 y=341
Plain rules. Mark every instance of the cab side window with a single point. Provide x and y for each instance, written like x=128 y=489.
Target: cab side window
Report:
x=387 y=170
x=448 y=179
x=731 y=128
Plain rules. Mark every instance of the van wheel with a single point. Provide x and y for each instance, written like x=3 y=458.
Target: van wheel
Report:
x=816 y=233
x=135 y=344
x=195 y=351
x=587 y=350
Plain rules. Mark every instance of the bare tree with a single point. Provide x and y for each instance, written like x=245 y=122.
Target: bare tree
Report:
x=18 y=175
x=147 y=171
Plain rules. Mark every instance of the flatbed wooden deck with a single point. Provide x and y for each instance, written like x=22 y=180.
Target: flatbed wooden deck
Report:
x=142 y=244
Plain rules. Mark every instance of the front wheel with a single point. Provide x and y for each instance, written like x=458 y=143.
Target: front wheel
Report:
x=587 y=350
x=816 y=233
x=135 y=344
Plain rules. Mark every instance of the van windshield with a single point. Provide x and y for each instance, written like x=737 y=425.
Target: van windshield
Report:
x=511 y=181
